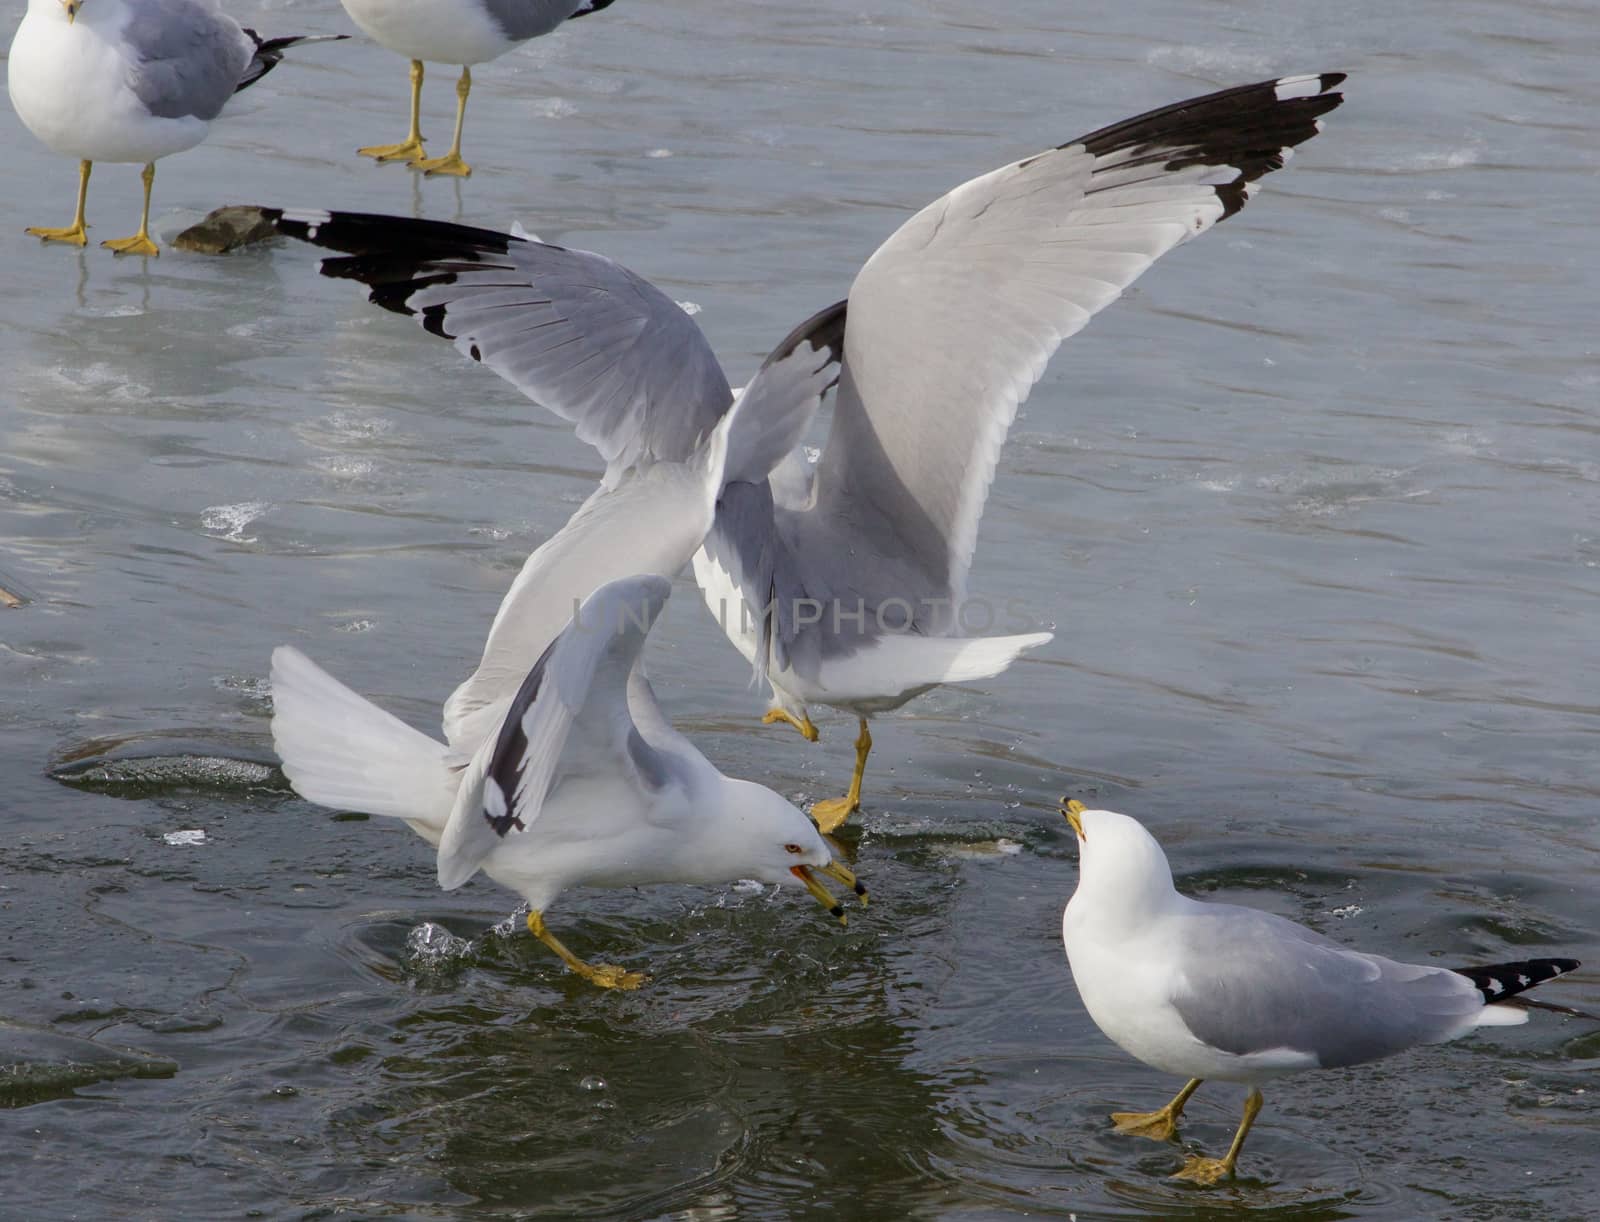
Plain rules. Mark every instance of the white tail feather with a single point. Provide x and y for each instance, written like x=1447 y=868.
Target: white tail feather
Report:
x=986 y=656
x=904 y=664
x=1500 y=1016
x=341 y=750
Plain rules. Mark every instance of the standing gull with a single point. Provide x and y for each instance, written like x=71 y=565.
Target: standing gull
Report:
x=1218 y=991
x=130 y=80
x=564 y=771
x=464 y=32
x=845 y=583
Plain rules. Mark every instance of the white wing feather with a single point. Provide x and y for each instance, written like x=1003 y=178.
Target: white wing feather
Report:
x=953 y=319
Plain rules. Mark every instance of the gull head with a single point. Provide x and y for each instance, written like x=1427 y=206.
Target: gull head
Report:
x=770 y=839
x=1120 y=865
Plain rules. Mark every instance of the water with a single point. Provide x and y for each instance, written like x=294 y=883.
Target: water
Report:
x=1316 y=510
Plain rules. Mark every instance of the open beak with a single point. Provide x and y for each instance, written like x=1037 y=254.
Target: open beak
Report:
x=841 y=874
x=72 y=9
x=822 y=894
x=1072 y=809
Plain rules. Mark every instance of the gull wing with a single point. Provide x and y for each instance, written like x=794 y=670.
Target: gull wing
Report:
x=185 y=58
x=652 y=522
x=783 y=397
x=569 y=716
x=954 y=318
x=578 y=334
x=1254 y=984
x=524 y=19
x=765 y=469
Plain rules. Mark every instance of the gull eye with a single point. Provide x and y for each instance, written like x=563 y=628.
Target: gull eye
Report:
x=793 y=848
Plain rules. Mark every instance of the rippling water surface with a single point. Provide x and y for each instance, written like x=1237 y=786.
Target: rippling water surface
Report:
x=1315 y=510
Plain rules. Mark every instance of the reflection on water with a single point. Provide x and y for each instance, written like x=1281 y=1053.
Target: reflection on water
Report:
x=1313 y=510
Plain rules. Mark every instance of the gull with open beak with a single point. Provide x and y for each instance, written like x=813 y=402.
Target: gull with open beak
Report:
x=130 y=80
x=559 y=768
x=582 y=781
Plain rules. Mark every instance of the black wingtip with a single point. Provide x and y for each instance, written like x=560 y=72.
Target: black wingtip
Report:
x=824 y=330
x=370 y=232
x=1498 y=981
x=503 y=776
x=1251 y=128
x=394 y=256
x=269 y=53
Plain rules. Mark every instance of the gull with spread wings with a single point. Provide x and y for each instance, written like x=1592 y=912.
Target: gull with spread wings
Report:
x=852 y=572
x=563 y=771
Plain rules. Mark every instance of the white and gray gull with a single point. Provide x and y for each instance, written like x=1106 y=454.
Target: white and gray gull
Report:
x=563 y=771
x=464 y=32
x=130 y=80
x=1218 y=991
x=848 y=577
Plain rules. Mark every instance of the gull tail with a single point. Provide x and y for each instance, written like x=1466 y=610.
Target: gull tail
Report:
x=269 y=53
x=1499 y=981
x=1528 y=1003
x=341 y=750
x=985 y=656
x=905 y=663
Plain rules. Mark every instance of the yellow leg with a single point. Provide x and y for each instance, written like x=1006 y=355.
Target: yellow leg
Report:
x=606 y=975
x=76 y=233
x=803 y=724
x=1160 y=1125
x=1209 y=1170
x=139 y=243
x=409 y=149
x=831 y=812
x=451 y=162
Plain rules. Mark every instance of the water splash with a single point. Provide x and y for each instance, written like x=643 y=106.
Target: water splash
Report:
x=431 y=945
x=434 y=956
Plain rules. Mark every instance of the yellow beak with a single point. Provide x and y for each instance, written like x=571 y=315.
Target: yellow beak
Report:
x=1072 y=809
x=72 y=9
x=846 y=876
x=822 y=894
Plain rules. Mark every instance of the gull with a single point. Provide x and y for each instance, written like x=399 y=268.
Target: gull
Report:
x=464 y=32
x=1209 y=990
x=847 y=579
x=130 y=80
x=564 y=772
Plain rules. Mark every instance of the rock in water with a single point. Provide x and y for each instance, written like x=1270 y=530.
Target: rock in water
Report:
x=225 y=229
